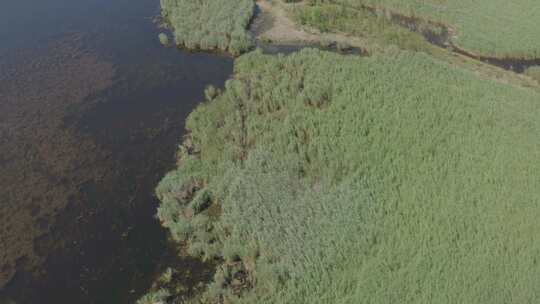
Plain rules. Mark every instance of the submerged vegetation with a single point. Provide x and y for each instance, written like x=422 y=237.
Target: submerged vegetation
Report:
x=210 y=24
x=402 y=180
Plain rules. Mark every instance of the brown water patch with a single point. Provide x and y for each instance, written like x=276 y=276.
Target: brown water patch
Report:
x=43 y=163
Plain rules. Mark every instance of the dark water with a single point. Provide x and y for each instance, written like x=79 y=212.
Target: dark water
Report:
x=93 y=108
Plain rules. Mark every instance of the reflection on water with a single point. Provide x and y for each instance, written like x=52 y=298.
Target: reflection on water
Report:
x=91 y=109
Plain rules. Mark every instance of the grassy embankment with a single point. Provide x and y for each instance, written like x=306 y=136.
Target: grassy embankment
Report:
x=210 y=24
x=496 y=28
x=402 y=180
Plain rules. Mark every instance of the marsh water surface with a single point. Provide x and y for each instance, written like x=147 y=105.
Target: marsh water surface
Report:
x=91 y=110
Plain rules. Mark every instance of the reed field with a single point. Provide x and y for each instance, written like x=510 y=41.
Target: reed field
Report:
x=321 y=178
x=210 y=24
x=495 y=28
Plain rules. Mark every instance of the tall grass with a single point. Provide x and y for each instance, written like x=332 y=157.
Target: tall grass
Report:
x=210 y=24
x=321 y=178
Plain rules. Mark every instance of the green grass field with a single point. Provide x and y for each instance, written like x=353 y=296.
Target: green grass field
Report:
x=497 y=28
x=321 y=178
x=210 y=24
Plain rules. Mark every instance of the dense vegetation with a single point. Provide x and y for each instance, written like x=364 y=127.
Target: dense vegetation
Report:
x=210 y=24
x=402 y=180
x=489 y=27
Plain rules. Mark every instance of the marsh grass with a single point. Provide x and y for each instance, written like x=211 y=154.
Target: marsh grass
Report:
x=210 y=24
x=338 y=179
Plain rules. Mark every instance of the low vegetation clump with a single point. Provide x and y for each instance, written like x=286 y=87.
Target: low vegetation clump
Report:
x=534 y=72
x=210 y=24
x=320 y=178
x=497 y=28
x=163 y=39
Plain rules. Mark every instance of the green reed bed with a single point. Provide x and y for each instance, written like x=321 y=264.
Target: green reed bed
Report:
x=320 y=178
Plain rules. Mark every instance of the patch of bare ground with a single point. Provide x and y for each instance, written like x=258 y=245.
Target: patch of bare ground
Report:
x=275 y=24
x=43 y=163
